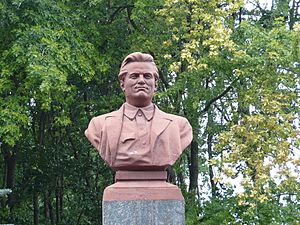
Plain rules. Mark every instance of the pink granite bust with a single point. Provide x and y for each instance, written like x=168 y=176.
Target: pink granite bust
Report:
x=139 y=136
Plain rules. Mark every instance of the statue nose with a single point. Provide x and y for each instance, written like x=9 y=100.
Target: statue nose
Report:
x=141 y=79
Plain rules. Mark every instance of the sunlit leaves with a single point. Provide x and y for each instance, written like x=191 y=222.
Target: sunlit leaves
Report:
x=44 y=56
x=14 y=118
x=261 y=147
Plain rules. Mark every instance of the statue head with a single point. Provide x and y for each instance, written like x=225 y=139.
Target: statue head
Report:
x=138 y=78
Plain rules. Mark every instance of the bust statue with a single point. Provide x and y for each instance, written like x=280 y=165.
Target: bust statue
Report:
x=139 y=136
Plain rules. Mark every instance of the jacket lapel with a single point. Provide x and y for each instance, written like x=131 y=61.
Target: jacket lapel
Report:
x=159 y=124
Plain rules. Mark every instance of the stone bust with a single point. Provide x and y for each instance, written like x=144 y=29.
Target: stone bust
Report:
x=139 y=136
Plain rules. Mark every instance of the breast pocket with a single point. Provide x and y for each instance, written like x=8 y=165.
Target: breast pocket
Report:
x=127 y=137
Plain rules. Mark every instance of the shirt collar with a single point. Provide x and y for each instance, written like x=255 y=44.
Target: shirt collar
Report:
x=130 y=111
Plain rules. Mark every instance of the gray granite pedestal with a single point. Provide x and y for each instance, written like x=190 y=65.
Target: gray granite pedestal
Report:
x=155 y=212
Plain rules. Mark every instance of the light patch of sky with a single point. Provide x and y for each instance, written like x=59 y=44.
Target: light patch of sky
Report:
x=265 y=4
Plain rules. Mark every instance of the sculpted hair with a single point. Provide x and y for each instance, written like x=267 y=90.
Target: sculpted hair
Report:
x=136 y=57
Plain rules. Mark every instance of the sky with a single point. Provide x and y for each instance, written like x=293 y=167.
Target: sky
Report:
x=263 y=3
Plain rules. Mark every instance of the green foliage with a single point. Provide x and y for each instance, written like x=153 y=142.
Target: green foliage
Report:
x=232 y=71
x=218 y=211
x=192 y=209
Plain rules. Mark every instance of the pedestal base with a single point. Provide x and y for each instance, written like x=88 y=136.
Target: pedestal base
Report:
x=155 y=212
x=142 y=198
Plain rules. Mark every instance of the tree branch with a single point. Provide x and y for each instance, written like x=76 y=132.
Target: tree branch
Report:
x=211 y=101
x=129 y=9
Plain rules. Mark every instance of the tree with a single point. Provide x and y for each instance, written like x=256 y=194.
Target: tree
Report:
x=233 y=71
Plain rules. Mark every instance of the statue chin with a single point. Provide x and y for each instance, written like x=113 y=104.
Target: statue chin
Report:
x=141 y=100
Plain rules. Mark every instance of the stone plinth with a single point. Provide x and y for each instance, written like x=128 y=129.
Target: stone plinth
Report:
x=142 y=198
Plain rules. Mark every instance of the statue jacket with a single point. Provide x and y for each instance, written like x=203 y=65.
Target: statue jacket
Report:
x=170 y=135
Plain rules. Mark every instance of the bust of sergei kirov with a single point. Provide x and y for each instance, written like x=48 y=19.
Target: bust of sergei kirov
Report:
x=139 y=136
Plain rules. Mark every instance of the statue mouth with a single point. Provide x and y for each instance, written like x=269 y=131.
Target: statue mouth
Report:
x=141 y=88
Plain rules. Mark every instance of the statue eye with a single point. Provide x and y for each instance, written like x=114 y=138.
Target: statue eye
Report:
x=148 y=75
x=134 y=76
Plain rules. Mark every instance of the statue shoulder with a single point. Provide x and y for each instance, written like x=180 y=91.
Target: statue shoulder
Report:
x=179 y=118
x=173 y=117
x=101 y=118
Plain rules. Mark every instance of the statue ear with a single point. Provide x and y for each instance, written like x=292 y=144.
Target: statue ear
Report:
x=122 y=85
x=121 y=79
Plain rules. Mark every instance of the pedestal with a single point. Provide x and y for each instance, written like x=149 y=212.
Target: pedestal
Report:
x=142 y=198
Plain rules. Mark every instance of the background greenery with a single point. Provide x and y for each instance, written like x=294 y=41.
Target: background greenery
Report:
x=232 y=69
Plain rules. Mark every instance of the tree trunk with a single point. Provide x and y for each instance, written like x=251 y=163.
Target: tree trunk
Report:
x=10 y=157
x=292 y=15
x=35 y=207
x=181 y=181
x=193 y=167
x=61 y=196
x=210 y=169
x=4 y=174
x=171 y=175
x=57 y=203
x=51 y=213
x=46 y=206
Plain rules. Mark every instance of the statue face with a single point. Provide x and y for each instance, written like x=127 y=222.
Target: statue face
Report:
x=139 y=83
